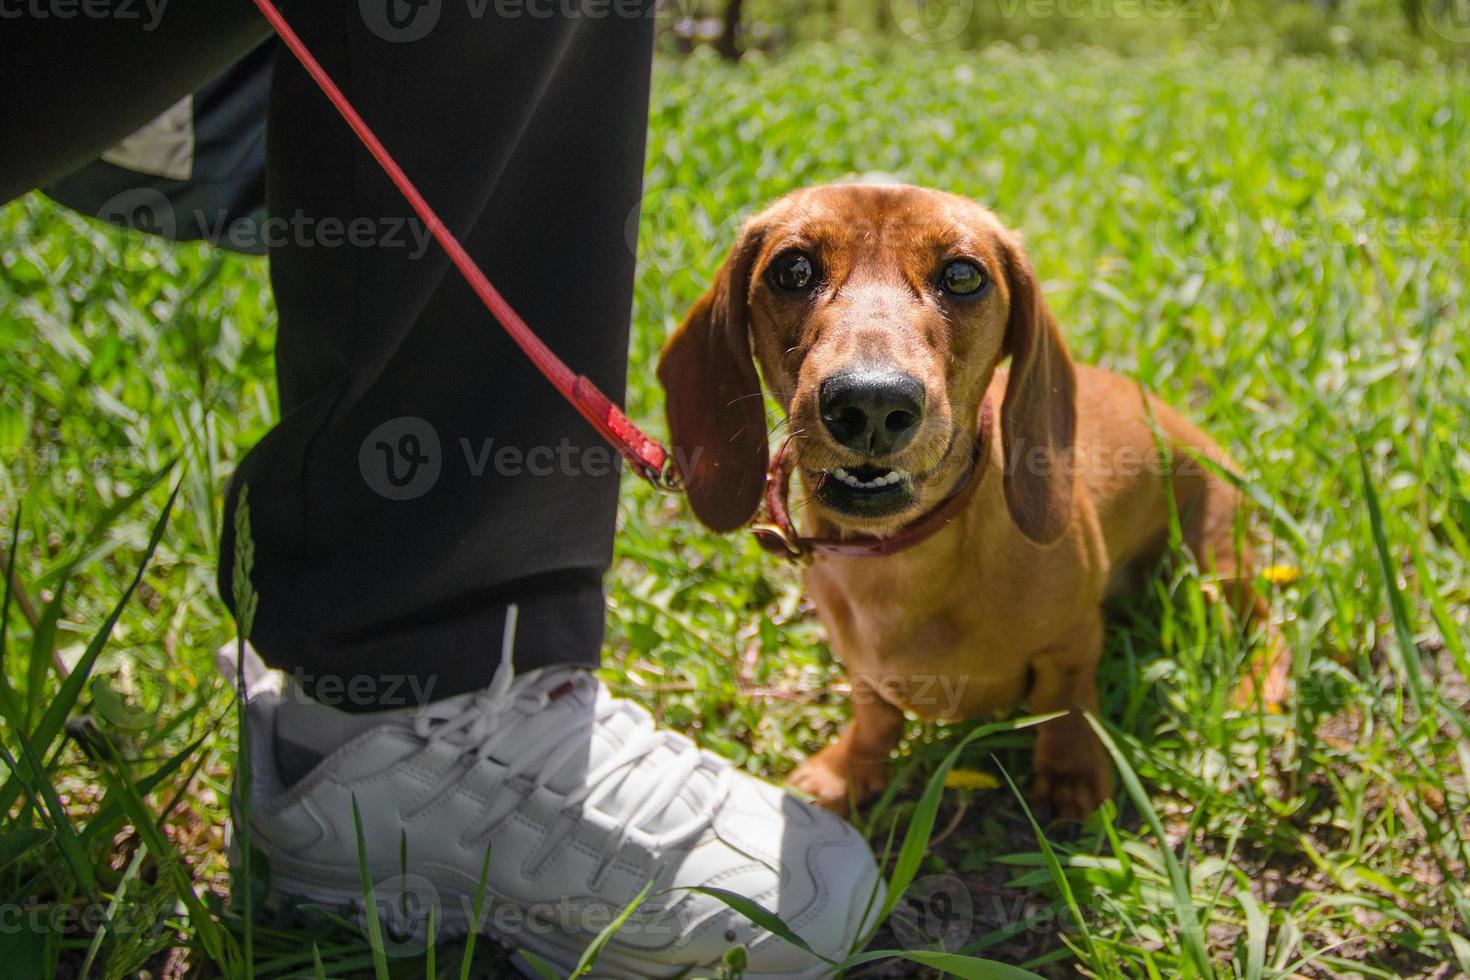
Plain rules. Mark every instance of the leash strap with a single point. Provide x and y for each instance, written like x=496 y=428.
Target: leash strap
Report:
x=645 y=454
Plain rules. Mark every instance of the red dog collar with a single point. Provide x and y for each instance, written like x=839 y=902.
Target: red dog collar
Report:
x=777 y=534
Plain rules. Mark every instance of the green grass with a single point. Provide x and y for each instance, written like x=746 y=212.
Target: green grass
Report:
x=1279 y=245
x=1366 y=30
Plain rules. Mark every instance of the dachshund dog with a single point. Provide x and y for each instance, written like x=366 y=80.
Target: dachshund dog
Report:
x=880 y=318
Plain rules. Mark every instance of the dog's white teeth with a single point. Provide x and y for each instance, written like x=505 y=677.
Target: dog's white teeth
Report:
x=887 y=479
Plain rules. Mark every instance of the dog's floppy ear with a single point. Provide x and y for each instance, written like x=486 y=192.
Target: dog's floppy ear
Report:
x=1039 y=416
x=717 y=418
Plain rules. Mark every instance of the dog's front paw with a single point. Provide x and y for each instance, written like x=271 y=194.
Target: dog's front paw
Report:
x=1069 y=795
x=835 y=781
x=1071 y=784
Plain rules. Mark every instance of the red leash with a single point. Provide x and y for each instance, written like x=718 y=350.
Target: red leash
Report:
x=647 y=456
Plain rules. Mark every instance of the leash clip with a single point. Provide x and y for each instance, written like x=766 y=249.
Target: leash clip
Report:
x=666 y=478
x=781 y=542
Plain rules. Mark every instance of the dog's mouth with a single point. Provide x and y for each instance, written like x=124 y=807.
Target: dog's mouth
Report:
x=869 y=493
x=866 y=491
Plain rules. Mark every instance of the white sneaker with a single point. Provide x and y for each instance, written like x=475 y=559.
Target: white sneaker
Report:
x=581 y=802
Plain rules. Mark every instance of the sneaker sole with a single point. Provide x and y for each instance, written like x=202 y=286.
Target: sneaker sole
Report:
x=611 y=964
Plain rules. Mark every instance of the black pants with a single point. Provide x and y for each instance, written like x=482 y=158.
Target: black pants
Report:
x=422 y=476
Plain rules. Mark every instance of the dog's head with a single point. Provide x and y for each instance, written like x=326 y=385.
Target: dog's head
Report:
x=878 y=315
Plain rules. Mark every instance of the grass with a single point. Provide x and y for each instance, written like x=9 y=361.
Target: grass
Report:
x=1280 y=245
x=1409 y=31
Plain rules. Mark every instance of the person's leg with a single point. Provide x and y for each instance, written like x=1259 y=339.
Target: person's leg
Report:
x=527 y=135
x=75 y=85
x=423 y=475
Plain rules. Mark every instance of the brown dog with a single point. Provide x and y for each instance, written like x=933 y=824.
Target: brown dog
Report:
x=879 y=316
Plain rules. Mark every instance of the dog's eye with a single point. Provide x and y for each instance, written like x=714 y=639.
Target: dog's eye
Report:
x=962 y=278
x=792 y=272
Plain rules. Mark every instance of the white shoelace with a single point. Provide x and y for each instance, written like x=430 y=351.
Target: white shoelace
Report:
x=482 y=723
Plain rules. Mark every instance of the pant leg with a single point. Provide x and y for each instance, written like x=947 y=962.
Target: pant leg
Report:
x=73 y=86
x=423 y=475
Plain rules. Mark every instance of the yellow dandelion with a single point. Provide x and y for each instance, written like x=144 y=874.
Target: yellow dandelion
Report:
x=970 y=779
x=1282 y=574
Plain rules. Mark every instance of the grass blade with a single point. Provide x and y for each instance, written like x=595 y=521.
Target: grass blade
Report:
x=40 y=789
x=594 y=949
x=543 y=969
x=217 y=943
x=43 y=639
x=17 y=843
x=921 y=827
x=1189 y=926
x=65 y=699
x=369 y=901
x=968 y=967
x=1053 y=866
x=7 y=700
x=1257 y=930
x=474 y=932
x=1406 y=662
x=761 y=916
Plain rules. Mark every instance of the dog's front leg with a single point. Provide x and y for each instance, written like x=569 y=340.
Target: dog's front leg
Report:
x=1073 y=772
x=856 y=765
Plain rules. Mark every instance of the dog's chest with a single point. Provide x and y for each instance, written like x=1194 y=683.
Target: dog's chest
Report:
x=930 y=644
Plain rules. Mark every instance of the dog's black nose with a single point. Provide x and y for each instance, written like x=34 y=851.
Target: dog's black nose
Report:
x=872 y=412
